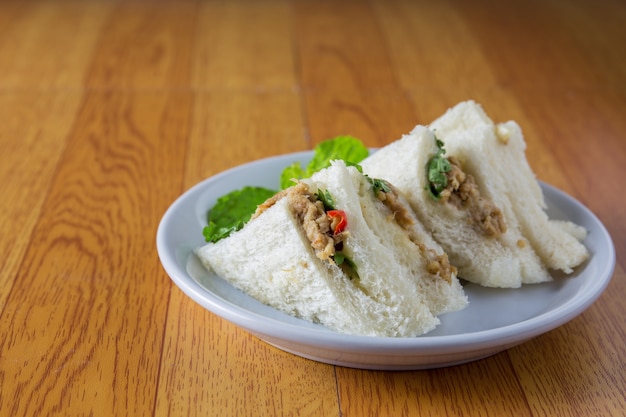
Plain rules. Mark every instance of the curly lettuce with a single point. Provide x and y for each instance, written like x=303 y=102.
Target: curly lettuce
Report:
x=347 y=148
x=233 y=210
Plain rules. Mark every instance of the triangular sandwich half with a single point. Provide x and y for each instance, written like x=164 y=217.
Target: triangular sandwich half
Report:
x=470 y=184
x=330 y=250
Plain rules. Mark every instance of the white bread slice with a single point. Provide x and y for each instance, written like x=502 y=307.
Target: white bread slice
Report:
x=487 y=261
x=495 y=155
x=387 y=258
x=272 y=260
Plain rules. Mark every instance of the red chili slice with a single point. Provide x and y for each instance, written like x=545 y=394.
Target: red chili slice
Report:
x=340 y=225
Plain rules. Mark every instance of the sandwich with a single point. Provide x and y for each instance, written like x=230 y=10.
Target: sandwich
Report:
x=470 y=185
x=343 y=250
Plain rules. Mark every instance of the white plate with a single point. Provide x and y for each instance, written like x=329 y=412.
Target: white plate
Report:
x=495 y=320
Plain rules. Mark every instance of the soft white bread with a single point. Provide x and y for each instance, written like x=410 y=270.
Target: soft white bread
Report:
x=272 y=260
x=486 y=261
x=494 y=157
x=391 y=260
x=495 y=154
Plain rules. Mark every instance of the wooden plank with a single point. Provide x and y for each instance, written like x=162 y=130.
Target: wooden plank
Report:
x=432 y=47
x=33 y=133
x=79 y=334
x=244 y=45
x=145 y=45
x=341 y=47
x=376 y=118
x=231 y=128
x=49 y=47
x=211 y=367
x=348 y=83
x=578 y=369
x=483 y=388
x=526 y=45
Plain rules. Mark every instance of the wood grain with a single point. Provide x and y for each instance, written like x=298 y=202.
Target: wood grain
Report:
x=145 y=46
x=231 y=128
x=43 y=46
x=562 y=372
x=109 y=110
x=34 y=137
x=210 y=367
x=244 y=47
x=85 y=295
x=427 y=42
x=341 y=47
x=462 y=390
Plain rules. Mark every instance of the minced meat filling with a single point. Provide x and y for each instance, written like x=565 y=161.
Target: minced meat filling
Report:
x=269 y=202
x=463 y=192
x=437 y=265
x=310 y=211
x=314 y=221
x=393 y=203
x=318 y=226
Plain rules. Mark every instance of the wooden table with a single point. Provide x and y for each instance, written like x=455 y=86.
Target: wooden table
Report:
x=109 y=110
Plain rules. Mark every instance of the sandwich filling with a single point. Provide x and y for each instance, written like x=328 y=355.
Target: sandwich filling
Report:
x=437 y=265
x=326 y=228
x=321 y=229
x=462 y=192
x=448 y=183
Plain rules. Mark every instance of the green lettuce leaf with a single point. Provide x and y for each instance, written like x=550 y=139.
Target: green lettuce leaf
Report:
x=293 y=171
x=347 y=148
x=233 y=210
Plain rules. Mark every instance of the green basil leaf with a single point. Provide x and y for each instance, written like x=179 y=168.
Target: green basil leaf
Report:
x=378 y=185
x=436 y=169
x=326 y=199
